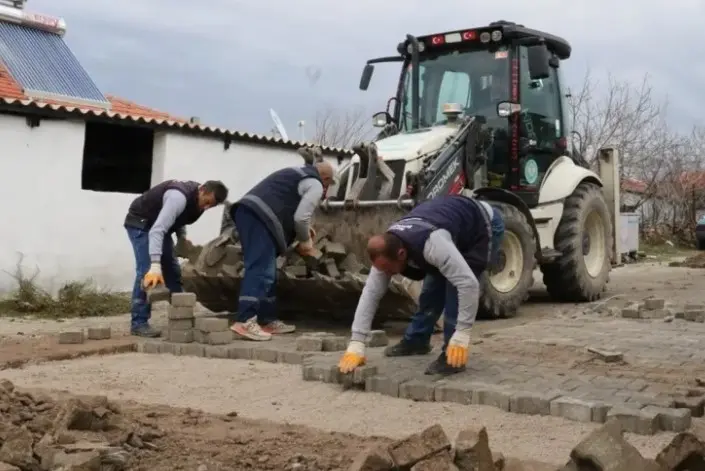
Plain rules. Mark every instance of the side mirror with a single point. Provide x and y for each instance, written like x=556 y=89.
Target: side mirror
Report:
x=507 y=108
x=381 y=119
x=366 y=76
x=539 y=58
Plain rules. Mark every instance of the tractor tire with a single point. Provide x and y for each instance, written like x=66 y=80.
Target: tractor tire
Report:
x=506 y=286
x=584 y=238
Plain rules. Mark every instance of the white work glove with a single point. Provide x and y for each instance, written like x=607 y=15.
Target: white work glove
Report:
x=458 y=348
x=353 y=357
x=153 y=277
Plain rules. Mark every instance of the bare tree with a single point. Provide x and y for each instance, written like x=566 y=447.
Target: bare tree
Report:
x=341 y=128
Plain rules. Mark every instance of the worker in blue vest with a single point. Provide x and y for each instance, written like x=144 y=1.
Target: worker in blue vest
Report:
x=447 y=242
x=269 y=218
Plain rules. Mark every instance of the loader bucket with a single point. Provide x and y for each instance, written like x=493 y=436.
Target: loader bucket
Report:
x=328 y=287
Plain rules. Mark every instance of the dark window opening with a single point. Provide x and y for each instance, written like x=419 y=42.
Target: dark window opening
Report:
x=117 y=158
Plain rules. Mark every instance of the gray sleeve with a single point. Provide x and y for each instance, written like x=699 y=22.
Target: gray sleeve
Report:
x=441 y=252
x=173 y=204
x=375 y=287
x=311 y=191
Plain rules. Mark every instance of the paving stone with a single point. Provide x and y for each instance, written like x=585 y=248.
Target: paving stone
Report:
x=149 y=346
x=694 y=404
x=459 y=393
x=641 y=421
x=606 y=449
x=334 y=344
x=669 y=419
x=177 y=313
x=269 y=355
x=608 y=356
x=71 y=337
x=655 y=314
x=579 y=410
x=442 y=460
x=183 y=299
x=239 y=352
x=180 y=336
x=387 y=383
x=212 y=324
x=694 y=315
x=180 y=324
x=168 y=348
x=684 y=452
x=190 y=350
x=214 y=338
x=323 y=372
x=361 y=373
x=291 y=357
x=631 y=312
x=377 y=338
x=492 y=395
x=417 y=390
x=531 y=403
x=472 y=451
x=652 y=304
x=98 y=333
x=414 y=448
x=215 y=351
x=372 y=459
x=309 y=343
x=159 y=293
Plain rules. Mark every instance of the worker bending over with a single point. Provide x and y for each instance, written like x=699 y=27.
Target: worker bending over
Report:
x=447 y=242
x=269 y=218
x=151 y=220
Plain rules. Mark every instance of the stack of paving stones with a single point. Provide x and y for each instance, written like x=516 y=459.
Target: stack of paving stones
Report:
x=180 y=326
x=604 y=449
x=79 y=336
x=657 y=308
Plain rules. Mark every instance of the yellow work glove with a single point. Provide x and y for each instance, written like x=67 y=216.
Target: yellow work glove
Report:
x=354 y=356
x=154 y=277
x=458 y=347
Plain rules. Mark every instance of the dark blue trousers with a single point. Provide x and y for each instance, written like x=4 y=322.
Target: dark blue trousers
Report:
x=141 y=310
x=258 y=286
x=437 y=295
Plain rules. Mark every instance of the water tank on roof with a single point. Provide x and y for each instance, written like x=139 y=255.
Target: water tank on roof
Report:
x=13 y=12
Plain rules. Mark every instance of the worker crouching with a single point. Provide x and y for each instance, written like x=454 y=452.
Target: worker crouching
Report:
x=447 y=242
x=269 y=218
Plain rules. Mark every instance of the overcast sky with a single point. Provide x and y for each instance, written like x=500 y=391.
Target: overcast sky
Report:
x=229 y=61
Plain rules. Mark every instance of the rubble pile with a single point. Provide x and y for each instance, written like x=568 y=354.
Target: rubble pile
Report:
x=604 y=449
x=657 y=308
x=38 y=433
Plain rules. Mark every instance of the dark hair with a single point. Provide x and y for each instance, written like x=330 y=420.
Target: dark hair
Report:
x=219 y=190
x=392 y=246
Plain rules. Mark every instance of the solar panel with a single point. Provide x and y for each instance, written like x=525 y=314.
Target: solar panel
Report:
x=45 y=67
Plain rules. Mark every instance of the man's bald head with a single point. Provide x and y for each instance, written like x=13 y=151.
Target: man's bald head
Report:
x=326 y=171
x=387 y=253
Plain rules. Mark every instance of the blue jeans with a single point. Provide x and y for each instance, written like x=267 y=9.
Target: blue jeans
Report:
x=141 y=309
x=437 y=295
x=258 y=286
x=497 y=225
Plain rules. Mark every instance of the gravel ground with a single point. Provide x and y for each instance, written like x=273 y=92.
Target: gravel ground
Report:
x=276 y=392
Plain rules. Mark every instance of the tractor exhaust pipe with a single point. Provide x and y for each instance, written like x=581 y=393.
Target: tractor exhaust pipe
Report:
x=414 y=43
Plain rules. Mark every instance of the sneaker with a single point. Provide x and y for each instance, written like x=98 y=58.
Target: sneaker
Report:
x=278 y=327
x=250 y=330
x=440 y=366
x=405 y=348
x=146 y=330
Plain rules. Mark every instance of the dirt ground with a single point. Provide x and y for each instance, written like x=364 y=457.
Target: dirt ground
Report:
x=275 y=408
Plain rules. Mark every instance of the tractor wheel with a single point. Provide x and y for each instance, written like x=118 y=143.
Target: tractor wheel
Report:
x=505 y=286
x=584 y=238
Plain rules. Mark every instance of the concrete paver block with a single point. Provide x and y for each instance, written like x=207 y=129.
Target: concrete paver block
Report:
x=309 y=343
x=214 y=338
x=190 y=350
x=388 y=383
x=579 y=410
x=177 y=313
x=269 y=355
x=183 y=299
x=652 y=304
x=150 y=346
x=669 y=419
x=414 y=448
x=168 y=348
x=212 y=324
x=684 y=452
x=291 y=357
x=442 y=460
x=372 y=459
x=180 y=324
x=160 y=293
x=334 y=344
x=357 y=377
x=459 y=393
x=631 y=312
x=377 y=338
x=180 y=336
x=71 y=337
x=98 y=333
x=215 y=351
x=472 y=450
x=608 y=356
x=417 y=390
x=641 y=421
x=531 y=403
x=492 y=395
x=322 y=371
x=694 y=315
x=239 y=352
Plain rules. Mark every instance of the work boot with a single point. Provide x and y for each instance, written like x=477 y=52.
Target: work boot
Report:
x=405 y=348
x=250 y=330
x=146 y=330
x=440 y=366
x=278 y=327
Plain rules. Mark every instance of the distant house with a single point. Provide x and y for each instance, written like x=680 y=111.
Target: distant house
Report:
x=73 y=158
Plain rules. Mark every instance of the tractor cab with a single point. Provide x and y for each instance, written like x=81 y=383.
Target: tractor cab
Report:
x=506 y=76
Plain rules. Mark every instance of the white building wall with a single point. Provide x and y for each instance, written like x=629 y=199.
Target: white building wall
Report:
x=65 y=233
